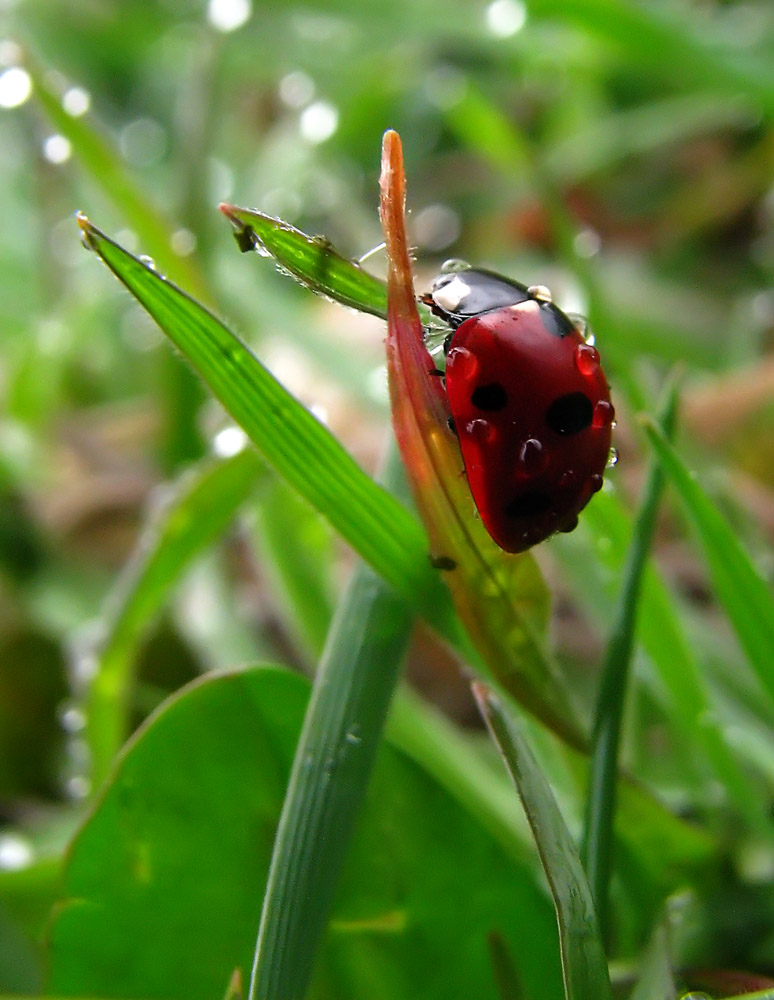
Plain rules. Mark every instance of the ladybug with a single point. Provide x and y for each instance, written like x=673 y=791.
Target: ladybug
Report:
x=529 y=403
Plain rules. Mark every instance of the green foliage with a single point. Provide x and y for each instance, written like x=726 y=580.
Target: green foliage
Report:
x=618 y=151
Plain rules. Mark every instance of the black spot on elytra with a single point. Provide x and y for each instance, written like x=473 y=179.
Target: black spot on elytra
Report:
x=570 y=414
x=491 y=396
x=528 y=505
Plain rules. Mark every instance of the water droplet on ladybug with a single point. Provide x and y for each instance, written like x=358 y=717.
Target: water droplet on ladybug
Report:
x=568 y=480
x=465 y=361
x=481 y=431
x=149 y=262
x=595 y=482
x=604 y=414
x=582 y=326
x=541 y=293
x=586 y=359
x=454 y=265
x=612 y=458
x=532 y=457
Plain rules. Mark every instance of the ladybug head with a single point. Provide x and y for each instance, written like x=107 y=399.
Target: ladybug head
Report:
x=461 y=292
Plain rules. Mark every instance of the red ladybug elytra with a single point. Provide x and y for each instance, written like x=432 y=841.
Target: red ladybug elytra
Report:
x=529 y=401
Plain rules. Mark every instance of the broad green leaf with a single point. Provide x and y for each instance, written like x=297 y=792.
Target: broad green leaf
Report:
x=204 y=503
x=164 y=882
x=499 y=597
x=740 y=588
x=583 y=958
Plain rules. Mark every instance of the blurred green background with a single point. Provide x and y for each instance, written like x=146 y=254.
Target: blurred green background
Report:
x=621 y=153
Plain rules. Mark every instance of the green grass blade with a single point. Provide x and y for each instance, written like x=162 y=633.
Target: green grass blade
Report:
x=205 y=503
x=293 y=441
x=310 y=259
x=333 y=760
x=597 y=849
x=655 y=981
x=583 y=958
x=663 y=637
x=739 y=586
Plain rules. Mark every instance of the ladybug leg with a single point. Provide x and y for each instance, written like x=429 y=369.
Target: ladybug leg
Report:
x=452 y=426
x=437 y=372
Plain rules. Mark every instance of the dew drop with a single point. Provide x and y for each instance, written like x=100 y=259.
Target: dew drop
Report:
x=541 y=293
x=586 y=359
x=353 y=736
x=15 y=852
x=532 y=457
x=466 y=361
x=582 y=326
x=71 y=716
x=568 y=480
x=604 y=414
x=482 y=431
x=454 y=265
x=149 y=262
x=595 y=482
x=612 y=458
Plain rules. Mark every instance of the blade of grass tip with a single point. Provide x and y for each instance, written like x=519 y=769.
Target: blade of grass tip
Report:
x=204 y=503
x=312 y=260
x=655 y=980
x=291 y=439
x=335 y=753
x=584 y=966
x=740 y=588
x=597 y=843
x=494 y=593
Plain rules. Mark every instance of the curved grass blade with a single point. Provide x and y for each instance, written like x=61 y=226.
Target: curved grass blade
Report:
x=312 y=260
x=333 y=760
x=584 y=966
x=291 y=439
x=740 y=588
x=501 y=599
x=204 y=504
